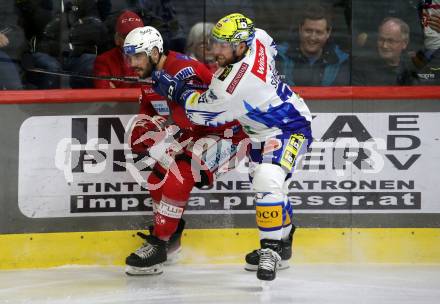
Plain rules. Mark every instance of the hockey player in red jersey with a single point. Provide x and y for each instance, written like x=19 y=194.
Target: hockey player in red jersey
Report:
x=189 y=164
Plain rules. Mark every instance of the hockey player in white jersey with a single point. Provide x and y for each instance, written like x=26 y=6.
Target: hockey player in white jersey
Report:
x=247 y=88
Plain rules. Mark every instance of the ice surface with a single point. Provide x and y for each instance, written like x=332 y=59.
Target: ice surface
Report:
x=353 y=284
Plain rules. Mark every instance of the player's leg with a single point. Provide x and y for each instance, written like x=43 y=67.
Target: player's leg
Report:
x=277 y=159
x=258 y=170
x=170 y=201
x=137 y=261
x=253 y=258
x=269 y=204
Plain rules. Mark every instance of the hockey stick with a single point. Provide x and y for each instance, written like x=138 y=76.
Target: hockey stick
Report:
x=131 y=79
x=77 y=75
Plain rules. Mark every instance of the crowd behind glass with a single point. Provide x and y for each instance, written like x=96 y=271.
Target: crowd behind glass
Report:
x=320 y=43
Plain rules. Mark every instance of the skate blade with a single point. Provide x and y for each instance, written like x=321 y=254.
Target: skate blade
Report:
x=173 y=257
x=143 y=271
x=266 y=285
x=281 y=265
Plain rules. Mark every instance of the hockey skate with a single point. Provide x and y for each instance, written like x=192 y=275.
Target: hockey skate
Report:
x=253 y=258
x=173 y=249
x=269 y=259
x=149 y=258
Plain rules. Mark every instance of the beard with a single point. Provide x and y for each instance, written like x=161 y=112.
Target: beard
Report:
x=143 y=72
x=222 y=61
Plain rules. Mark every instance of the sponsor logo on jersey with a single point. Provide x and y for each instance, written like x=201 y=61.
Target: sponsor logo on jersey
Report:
x=259 y=68
x=225 y=72
x=185 y=73
x=161 y=107
x=147 y=90
x=231 y=87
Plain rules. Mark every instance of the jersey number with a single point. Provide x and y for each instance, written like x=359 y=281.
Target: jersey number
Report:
x=283 y=91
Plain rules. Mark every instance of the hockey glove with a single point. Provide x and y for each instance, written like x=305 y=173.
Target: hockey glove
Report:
x=169 y=86
x=146 y=133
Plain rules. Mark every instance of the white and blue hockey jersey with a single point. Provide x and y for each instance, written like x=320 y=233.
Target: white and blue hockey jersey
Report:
x=251 y=92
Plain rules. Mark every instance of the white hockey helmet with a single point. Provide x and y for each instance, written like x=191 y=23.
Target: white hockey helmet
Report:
x=143 y=39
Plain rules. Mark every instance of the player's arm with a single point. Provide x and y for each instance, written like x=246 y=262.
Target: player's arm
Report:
x=201 y=107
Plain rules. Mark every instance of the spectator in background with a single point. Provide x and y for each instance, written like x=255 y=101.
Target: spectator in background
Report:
x=368 y=15
x=113 y=62
x=33 y=16
x=161 y=15
x=391 y=65
x=314 y=60
x=197 y=45
x=42 y=28
x=9 y=76
x=427 y=61
x=12 y=45
x=69 y=41
x=87 y=37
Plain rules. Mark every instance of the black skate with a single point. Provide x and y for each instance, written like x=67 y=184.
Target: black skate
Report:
x=148 y=259
x=174 y=243
x=269 y=259
x=253 y=258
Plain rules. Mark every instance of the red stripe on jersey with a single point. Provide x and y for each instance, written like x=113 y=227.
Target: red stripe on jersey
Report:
x=260 y=64
x=231 y=87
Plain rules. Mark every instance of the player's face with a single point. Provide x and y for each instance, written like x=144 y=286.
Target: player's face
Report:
x=313 y=35
x=390 y=43
x=223 y=53
x=140 y=64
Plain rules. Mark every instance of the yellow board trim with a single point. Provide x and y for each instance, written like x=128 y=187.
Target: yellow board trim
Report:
x=219 y=246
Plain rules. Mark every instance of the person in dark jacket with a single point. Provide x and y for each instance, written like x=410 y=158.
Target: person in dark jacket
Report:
x=314 y=60
x=391 y=65
x=12 y=46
